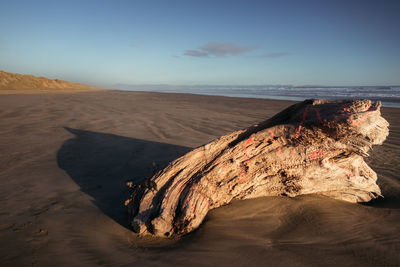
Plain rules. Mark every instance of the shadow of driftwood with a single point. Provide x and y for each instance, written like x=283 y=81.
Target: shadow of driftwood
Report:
x=101 y=163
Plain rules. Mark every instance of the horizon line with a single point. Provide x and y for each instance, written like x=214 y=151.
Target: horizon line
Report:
x=253 y=85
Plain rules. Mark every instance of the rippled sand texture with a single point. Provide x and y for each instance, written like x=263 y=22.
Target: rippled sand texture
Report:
x=64 y=159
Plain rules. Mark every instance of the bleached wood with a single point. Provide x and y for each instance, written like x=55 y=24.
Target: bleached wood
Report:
x=313 y=147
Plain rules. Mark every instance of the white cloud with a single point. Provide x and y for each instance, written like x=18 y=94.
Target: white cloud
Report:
x=218 y=50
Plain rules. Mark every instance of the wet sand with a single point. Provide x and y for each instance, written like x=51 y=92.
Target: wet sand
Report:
x=64 y=159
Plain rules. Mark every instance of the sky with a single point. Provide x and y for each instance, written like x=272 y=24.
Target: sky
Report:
x=203 y=42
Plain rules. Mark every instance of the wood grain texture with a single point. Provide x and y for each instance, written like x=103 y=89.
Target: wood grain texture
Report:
x=313 y=147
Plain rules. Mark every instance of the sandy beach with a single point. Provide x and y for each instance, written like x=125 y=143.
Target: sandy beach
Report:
x=65 y=158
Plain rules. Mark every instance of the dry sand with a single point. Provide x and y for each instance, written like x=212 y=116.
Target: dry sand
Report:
x=64 y=159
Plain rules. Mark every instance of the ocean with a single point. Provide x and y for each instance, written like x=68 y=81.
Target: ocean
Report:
x=388 y=95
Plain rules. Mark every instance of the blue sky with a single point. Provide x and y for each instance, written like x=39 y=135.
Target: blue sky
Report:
x=203 y=42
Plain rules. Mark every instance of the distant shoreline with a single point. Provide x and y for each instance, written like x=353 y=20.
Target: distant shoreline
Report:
x=394 y=103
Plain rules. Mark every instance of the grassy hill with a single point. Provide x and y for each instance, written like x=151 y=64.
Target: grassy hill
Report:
x=18 y=83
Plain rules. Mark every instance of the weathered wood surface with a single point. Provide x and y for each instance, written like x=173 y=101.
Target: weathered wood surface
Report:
x=313 y=147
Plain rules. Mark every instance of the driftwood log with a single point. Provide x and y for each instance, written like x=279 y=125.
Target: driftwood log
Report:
x=313 y=147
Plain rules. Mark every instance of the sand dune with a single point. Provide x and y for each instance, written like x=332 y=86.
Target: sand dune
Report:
x=11 y=83
x=64 y=159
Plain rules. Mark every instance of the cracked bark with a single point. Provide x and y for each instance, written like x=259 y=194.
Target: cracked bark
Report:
x=313 y=147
